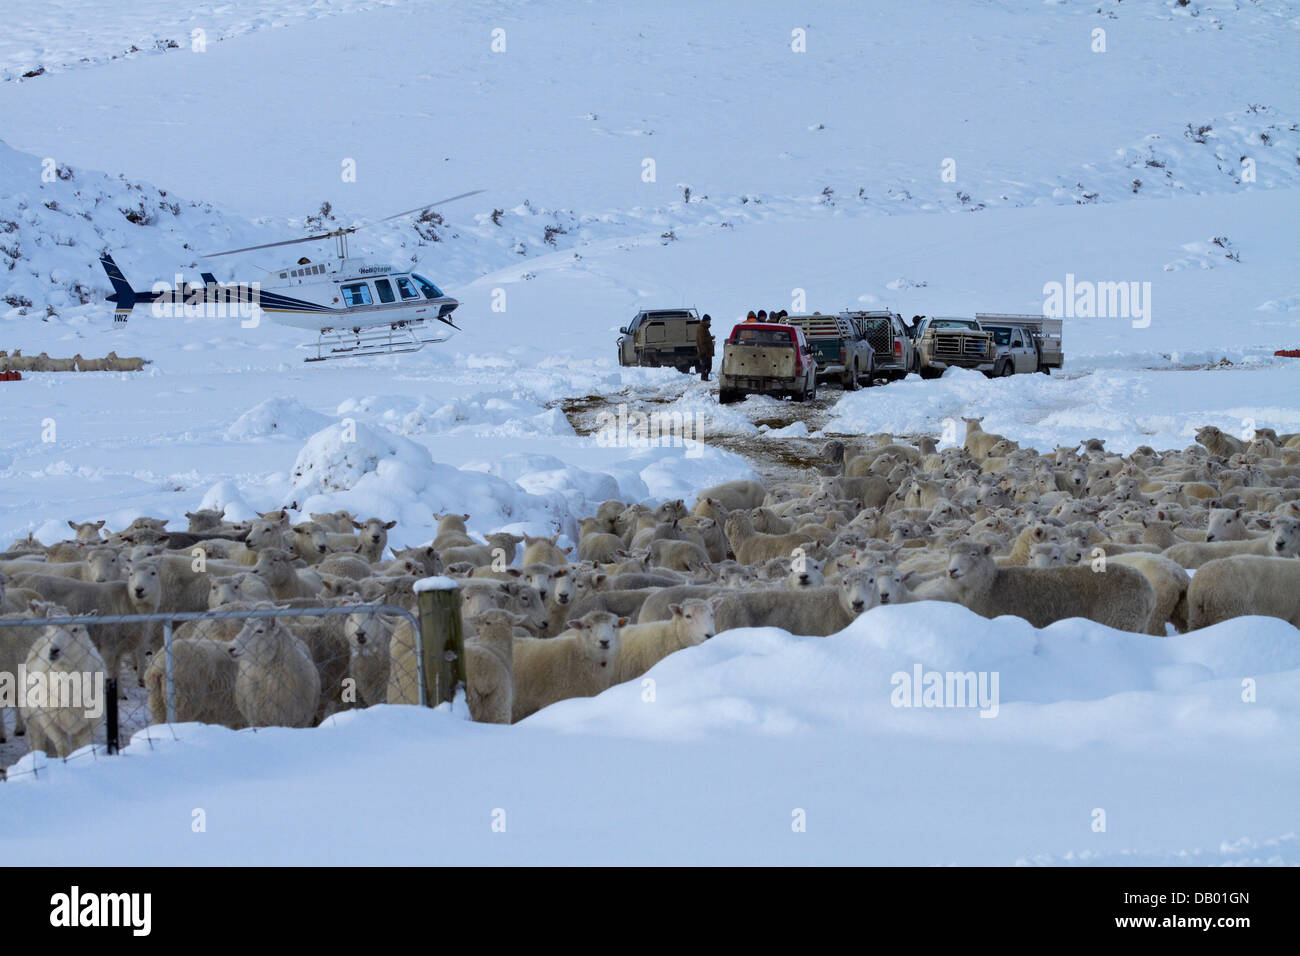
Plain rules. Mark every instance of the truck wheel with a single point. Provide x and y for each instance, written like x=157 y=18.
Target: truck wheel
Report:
x=1007 y=369
x=1044 y=369
x=810 y=393
x=871 y=376
x=851 y=380
x=726 y=396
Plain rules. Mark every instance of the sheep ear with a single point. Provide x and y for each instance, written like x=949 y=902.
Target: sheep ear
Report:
x=715 y=602
x=576 y=624
x=514 y=572
x=622 y=622
x=99 y=524
x=72 y=525
x=675 y=609
x=988 y=549
x=390 y=525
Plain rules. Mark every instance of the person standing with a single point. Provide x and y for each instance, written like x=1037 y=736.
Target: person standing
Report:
x=704 y=343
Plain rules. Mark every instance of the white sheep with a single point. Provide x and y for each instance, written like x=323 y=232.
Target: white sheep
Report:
x=1170 y=583
x=276 y=683
x=731 y=496
x=490 y=668
x=15 y=642
x=115 y=642
x=753 y=547
x=815 y=612
x=1283 y=541
x=1244 y=585
x=577 y=663
x=644 y=645
x=278 y=570
x=1120 y=597
x=804 y=572
x=369 y=635
x=66 y=719
x=544 y=551
x=203 y=679
x=1046 y=554
x=1227 y=524
x=87 y=532
x=309 y=541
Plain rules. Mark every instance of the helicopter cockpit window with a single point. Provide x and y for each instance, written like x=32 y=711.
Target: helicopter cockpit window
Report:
x=358 y=294
x=404 y=286
x=430 y=290
x=385 y=290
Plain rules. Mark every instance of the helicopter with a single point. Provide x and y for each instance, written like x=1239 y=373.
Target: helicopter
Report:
x=357 y=306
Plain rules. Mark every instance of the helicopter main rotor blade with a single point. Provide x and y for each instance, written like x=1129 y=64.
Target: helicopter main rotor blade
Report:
x=269 y=245
x=344 y=231
x=430 y=205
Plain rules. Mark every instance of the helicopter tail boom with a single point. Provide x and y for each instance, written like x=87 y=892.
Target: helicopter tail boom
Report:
x=123 y=295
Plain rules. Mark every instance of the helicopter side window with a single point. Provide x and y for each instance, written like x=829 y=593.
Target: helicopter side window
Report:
x=358 y=294
x=430 y=290
x=404 y=286
x=385 y=290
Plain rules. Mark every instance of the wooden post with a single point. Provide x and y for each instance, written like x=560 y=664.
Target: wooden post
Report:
x=441 y=637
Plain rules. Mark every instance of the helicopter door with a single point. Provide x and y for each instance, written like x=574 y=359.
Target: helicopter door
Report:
x=385 y=290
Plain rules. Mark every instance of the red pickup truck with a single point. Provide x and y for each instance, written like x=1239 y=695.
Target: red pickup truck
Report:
x=761 y=358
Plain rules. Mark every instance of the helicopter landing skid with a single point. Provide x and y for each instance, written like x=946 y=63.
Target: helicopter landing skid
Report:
x=373 y=341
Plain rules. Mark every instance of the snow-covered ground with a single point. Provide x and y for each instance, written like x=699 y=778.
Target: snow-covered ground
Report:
x=736 y=742
x=820 y=175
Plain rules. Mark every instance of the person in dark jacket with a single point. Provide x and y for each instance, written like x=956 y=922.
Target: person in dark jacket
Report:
x=704 y=342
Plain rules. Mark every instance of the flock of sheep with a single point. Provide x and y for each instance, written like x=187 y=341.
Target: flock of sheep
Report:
x=1146 y=542
x=18 y=362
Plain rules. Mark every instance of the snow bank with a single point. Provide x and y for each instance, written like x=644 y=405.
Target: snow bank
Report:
x=754 y=724
x=280 y=416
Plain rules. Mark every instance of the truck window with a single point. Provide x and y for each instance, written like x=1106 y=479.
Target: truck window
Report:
x=1000 y=336
x=745 y=336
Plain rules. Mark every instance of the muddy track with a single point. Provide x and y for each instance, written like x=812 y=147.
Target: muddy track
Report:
x=772 y=458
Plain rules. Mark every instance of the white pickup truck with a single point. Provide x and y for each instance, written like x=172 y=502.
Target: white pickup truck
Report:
x=1023 y=343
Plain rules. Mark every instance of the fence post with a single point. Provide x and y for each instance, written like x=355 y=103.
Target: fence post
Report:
x=170 y=676
x=442 y=640
x=110 y=688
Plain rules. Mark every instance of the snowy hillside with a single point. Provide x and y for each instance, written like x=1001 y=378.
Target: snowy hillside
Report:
x=928 y=157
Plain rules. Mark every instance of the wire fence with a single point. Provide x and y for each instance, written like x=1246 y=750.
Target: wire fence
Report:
x=241 y=668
